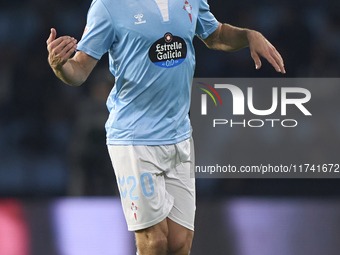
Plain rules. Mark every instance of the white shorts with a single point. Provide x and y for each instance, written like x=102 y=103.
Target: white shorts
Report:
x=156 y=182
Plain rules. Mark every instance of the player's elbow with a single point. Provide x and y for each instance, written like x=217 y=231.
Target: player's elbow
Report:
x=220 y=46
x=211 y=42
x=211 y=45
x=215 y=41
x=74 y=81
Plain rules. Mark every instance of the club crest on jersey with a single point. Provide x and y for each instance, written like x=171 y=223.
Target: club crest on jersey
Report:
x=85 y=30
x=134 y=210
x=139 y=17
x=168 y=51
x=188 y=8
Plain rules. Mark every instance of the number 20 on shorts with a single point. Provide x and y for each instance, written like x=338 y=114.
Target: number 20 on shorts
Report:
x=131 y=184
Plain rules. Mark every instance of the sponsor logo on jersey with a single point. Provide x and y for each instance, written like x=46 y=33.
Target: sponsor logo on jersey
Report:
x=188 y=8
x=169 y=51
x=139 y=17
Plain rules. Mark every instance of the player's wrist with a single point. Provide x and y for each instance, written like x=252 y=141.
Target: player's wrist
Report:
x=61 y=72
x=251 y=35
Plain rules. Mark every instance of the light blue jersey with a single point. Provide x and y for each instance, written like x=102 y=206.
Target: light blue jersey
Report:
x=153 y=60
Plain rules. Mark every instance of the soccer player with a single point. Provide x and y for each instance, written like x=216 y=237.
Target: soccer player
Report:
x=149 y=139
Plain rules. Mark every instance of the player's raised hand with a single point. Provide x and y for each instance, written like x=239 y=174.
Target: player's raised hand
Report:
x=261 y=47
x=59 y=49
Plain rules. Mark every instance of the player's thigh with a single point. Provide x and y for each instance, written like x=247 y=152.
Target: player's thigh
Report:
x=168 y=235
x=153 y=239
x=179 y=238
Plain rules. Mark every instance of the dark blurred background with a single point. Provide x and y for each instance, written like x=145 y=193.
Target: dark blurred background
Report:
x=52 y=137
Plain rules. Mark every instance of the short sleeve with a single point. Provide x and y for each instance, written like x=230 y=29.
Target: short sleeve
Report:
x=206 y=22
x=99 y=34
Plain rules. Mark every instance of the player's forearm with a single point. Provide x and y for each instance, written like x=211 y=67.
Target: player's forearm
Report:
x=229 y=38
x=233 y=38
x=71 y=73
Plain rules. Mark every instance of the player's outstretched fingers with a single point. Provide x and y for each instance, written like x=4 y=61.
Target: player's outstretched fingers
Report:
x=279 y=61
x=256 y=59
x=274 y=58
x=273 y=62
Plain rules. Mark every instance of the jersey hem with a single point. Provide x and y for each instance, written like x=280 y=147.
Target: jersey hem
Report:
x=148 y=141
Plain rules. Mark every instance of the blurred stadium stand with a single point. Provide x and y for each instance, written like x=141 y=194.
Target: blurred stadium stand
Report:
x=52 y=141
x=234 y=226
x=52 y=145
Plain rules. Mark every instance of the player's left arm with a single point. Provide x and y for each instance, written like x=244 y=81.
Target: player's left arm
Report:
x=230 y=38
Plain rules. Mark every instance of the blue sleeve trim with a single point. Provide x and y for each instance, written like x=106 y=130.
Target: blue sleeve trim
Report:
x=89 y=52
x=209 y=32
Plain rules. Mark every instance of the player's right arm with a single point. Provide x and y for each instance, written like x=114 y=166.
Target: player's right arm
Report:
x=229 y=38
x=72 y=71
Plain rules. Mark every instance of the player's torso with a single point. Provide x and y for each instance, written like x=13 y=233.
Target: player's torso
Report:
x=150 y=16
x=165 y=28
x=152 y=57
